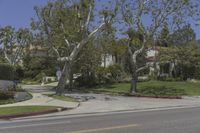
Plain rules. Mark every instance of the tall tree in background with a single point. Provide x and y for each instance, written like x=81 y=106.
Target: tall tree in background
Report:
x=164 y=37
x=66 y=27
x=13 y=43
x=160 y=12
x=183 y=35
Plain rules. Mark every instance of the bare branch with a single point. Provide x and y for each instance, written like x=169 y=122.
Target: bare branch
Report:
x=56 y=51
x=83 y=42
x=77 y=49
x=7 y=58
x=138 y=52
x=63 y=59
x=142 y=68
x=67 y=42
x=88 y=18
x=139 y=17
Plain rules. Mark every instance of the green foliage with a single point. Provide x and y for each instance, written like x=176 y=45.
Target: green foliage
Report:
x=19 y=72
x=111 y=74
x=9 y=72
x=13 y=42
x=164 y=37
x=116 y=72
x=5 y=95
x=87 y=63
x=183 y=35
x=36 y=67
x=6 y=72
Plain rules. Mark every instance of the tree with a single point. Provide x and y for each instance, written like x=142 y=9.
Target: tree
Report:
x=183 y=35
x=13 y=43
x=87 y=63
x=164 y=37
x=66 y=28
x=172 y=12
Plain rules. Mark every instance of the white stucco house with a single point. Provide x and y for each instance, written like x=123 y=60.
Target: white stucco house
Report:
x=152 y=58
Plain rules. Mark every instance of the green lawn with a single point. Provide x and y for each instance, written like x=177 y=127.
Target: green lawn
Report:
x=64 y=98
x=30 y=82
x=24 y=109
x=187 y=88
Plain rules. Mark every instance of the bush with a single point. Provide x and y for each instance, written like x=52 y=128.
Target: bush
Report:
x=116 y=72
x=111 y=74
x=6 y=72
x=19 y=73
x=34 y=67
x=5 y=95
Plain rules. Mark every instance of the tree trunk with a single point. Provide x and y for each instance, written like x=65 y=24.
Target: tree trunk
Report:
x=133 y=88
x=62 y=82
x=134 y=79
x=71 y=81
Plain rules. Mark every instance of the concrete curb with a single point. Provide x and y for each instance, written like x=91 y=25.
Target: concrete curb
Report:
x=7 y=117
x=116 y=112
x=161 y=97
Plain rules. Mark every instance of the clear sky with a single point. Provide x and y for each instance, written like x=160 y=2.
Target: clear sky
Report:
x=19 y=12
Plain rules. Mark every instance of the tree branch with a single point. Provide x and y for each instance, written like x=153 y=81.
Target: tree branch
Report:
x=6 y=57
x=142 y=68
x=67 y=42
x=56 y=51
x=88 y=18
x=77 y=49
x=138 y=52
x=63 y=59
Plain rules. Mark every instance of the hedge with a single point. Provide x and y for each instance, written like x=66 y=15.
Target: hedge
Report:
x=6 y=95
x=6 y=72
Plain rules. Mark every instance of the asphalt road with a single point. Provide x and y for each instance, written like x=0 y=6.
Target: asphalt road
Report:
x=167 y=121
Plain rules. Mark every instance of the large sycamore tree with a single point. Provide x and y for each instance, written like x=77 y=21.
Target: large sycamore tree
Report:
x=144 y=19
x=66 y=26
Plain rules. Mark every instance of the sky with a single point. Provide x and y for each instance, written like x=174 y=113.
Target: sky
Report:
x=18 y=13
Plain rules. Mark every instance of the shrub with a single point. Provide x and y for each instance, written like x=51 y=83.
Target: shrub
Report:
x=113 y=73
x=35 y=66
x=5 y=95
x=6 y=72
x=39 y=77
x=116 y=72
x=102 y=75
x=19 y=73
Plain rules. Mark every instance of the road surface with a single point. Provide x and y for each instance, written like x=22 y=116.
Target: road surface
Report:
x=166 y=121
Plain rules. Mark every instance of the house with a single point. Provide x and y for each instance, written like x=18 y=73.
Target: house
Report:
x=152 y=57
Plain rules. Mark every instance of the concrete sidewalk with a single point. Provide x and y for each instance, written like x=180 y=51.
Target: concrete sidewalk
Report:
x=39 y=99
x=105 y=103
x=101 y=102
